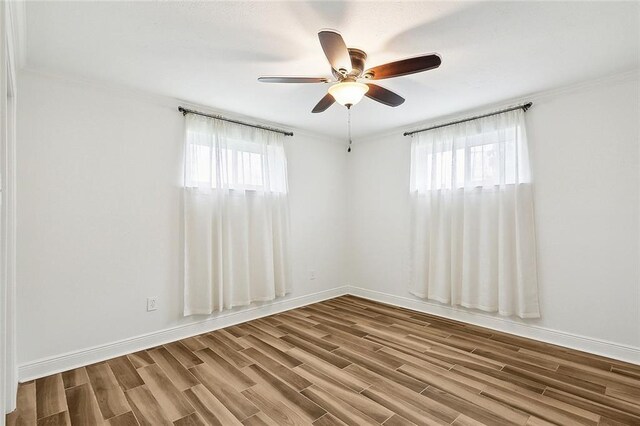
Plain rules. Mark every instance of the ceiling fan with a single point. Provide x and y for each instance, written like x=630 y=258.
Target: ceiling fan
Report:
x=347 y=67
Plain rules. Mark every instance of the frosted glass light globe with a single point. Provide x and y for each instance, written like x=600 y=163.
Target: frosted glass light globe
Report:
x=348 y=93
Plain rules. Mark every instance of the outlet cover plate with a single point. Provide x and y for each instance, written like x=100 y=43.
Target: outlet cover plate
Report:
x=152 y=303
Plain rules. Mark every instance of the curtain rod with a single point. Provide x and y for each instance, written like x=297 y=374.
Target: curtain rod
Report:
x=186 y=111
x=523 y=107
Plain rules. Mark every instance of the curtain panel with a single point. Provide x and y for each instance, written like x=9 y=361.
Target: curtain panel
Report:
x=236 y=216
x=473 y=234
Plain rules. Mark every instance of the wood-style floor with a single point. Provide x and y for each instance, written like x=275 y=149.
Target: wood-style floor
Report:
x=343 y=361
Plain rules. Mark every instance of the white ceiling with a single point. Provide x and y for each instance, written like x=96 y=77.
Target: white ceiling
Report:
x=211 y=53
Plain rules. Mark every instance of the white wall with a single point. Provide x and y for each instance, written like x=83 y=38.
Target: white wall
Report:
x=99 y=219
x=99 y=173
x=584 y=145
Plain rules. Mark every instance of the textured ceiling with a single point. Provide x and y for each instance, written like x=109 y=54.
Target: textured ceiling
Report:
x=211 y=53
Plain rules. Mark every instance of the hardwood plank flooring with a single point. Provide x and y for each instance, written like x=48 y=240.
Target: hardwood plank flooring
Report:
x=109 y=395
x=345 y=361
x=83 y=407
x=25 y=413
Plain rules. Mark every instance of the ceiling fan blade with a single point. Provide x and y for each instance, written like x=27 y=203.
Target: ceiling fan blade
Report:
x=404 y=67
x=335 y=50
x=384 y=96
x=293 y=79
x=324 y=103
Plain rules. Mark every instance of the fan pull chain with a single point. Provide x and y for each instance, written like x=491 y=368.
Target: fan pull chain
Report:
x=349 y=124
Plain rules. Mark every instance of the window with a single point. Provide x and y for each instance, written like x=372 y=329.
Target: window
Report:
x=472 y=227
x=239 y=166
x=233 y=163
x=236 y=216
x=484 y=159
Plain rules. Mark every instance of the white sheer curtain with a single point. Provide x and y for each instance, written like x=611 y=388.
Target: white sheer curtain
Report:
x=236 y=219
x=473 y=236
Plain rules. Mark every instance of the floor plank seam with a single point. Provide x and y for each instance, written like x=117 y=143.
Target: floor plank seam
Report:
x=343 y=357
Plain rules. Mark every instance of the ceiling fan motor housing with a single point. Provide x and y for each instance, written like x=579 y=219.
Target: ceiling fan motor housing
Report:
x=358 y=59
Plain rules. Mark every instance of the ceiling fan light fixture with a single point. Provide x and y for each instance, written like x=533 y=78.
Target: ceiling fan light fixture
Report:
x=348 y=93
x=347 y=90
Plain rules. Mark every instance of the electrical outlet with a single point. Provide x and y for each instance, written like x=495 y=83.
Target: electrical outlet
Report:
x=312 y=274
x=152 y=303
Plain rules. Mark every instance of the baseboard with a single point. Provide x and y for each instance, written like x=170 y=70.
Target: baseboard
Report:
x=582 y=343
x=56 y=364
x=64 y=362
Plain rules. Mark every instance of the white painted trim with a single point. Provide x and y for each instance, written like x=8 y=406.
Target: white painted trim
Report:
x=18 y=12
x=534 y=97
x=8 y=53
x=170 y=102
x=55 y=364
x=507 y=325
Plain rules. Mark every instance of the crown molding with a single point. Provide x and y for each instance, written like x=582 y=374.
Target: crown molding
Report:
x=169 y=102
x=629 y=75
